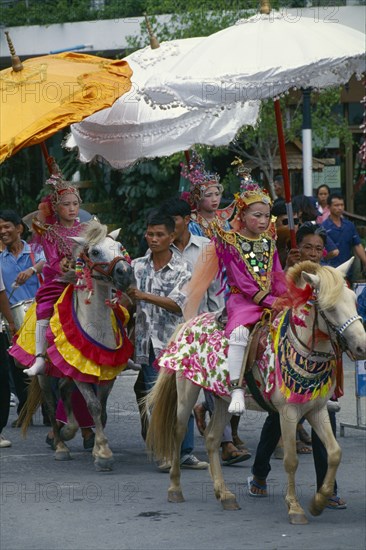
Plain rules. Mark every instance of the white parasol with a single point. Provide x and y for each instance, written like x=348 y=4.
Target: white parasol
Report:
x=131 y=129
x=259 y=58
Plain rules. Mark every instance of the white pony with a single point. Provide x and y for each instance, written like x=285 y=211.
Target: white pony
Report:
x=296 y=373
x=88 y=344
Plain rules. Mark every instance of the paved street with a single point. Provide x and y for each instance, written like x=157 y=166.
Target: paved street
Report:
x=68 y=505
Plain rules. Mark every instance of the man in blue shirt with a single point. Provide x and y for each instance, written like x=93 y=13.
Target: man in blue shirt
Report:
x=20 y=266
x=343 y=233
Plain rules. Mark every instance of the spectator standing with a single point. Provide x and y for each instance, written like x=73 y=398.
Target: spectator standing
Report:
x=322 y=194
x=279 y=188
x=343 y=233
x=160 y=276
x=20 y=265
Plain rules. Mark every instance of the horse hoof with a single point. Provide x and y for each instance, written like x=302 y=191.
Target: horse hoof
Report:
x=298 y=519
x=175 y=496
x=314 y=511
x=67 y=433
x=315 y=508
x=230 y=504
x=104 y=464
x=62 y=455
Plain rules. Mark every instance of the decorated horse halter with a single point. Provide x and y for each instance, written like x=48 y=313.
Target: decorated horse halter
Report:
x=99 y=267
x=338 y=331
x=338 y=341
x=85 y=267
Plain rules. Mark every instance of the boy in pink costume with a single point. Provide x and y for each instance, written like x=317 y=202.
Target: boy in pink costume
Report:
x=56 y=224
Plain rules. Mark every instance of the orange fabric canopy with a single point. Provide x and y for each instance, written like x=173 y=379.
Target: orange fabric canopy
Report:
x=54 y=91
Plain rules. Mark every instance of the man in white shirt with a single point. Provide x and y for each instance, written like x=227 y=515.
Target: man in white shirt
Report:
x=160 y=277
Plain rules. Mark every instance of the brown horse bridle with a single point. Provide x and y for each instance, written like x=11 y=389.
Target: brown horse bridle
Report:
x=104 y=269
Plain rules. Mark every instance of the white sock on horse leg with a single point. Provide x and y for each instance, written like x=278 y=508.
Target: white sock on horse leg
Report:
x=39 y=364
x=237 y=344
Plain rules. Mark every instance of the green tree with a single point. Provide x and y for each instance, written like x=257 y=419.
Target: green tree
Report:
x=48 y=12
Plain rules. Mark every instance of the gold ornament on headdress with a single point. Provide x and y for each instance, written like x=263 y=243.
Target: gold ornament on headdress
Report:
x=251 y=192
x=61 y=187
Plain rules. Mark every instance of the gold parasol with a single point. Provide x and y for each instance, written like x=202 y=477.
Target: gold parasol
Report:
x=44 y=94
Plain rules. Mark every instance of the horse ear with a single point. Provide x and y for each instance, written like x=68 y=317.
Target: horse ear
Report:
x=114 y=234
x=343 y=268
x=310 y=278
x=79 y=240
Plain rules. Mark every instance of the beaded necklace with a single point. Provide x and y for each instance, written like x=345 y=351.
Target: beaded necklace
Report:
x=59 y=235
x=257 y=254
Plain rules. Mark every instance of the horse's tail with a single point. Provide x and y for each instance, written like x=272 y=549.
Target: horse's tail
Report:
x=32 y=403
x=162 y=401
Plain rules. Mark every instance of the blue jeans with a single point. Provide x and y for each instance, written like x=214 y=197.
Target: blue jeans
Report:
x=150 y=375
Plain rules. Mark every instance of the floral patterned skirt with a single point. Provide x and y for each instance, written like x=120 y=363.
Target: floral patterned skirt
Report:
x=199 y=351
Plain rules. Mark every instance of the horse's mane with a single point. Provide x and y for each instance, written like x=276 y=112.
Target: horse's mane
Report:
x=94 y=232
x=331 y=281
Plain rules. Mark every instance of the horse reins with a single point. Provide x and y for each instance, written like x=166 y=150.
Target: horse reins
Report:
x=338 y=331
x=103 y=268
x=337 y=339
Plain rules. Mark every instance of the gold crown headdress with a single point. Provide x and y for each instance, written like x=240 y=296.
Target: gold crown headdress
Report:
x=251 y=192
x=61 y=187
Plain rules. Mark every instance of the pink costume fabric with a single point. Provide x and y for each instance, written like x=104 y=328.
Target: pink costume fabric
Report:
x=81 y=412
x=250 y=266
x=56 y=243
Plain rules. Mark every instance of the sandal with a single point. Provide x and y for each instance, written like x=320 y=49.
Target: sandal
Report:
x=303 y=449
x=303 y=434
x=236 y=456
x=200 y=416
x=336 y=503
x=252 y=483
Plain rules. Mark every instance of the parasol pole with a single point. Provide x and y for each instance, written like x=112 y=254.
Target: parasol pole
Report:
x=50 y=161
x=188 y=158
x=286 y=179
x=265 y=8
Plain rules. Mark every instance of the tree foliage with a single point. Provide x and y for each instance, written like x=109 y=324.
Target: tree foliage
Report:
x=48 y=12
